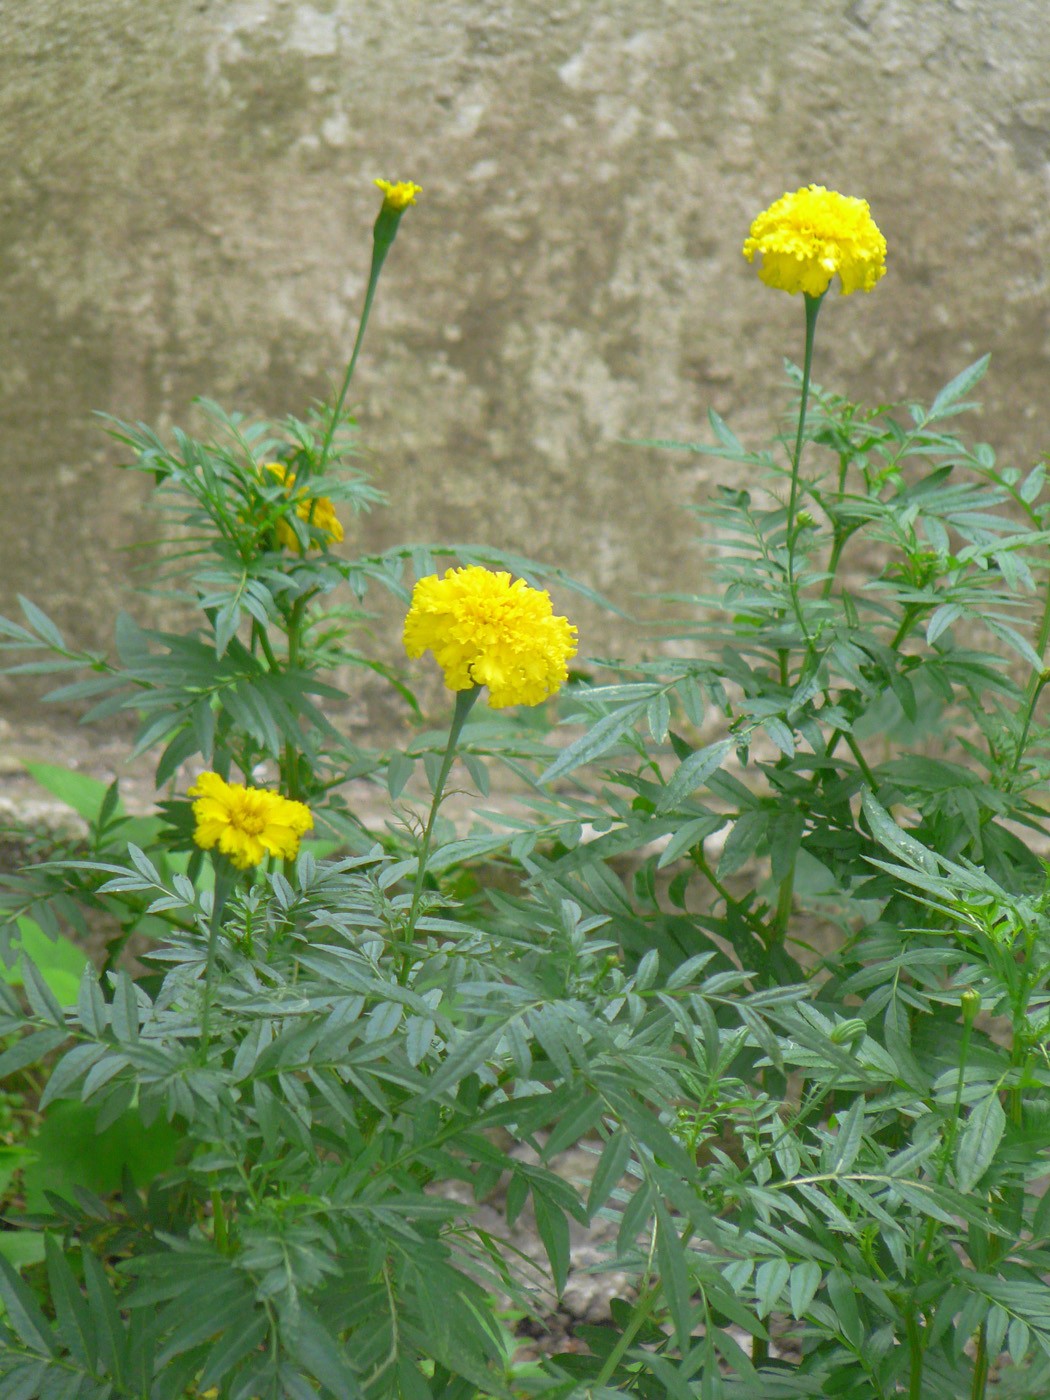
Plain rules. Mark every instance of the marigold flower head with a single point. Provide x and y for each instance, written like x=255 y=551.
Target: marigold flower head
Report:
x=317 y=511
x=808 y=236
x=485 y=630
x=398 y=195
x=246 y=823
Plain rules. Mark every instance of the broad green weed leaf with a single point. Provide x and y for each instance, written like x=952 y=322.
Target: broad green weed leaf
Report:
x=59 y=961
x=84 y=794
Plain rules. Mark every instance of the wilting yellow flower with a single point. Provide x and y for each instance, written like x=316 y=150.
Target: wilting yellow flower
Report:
x=317 y=511
x=246 y=823
x=400 y=194
x=485 y=630
x=808 y=236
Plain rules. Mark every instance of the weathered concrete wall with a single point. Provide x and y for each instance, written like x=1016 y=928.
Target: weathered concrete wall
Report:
x=185 y=206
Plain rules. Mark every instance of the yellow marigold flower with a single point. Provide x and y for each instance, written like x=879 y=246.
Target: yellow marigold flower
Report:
x=317 y=511
x=399 y=194
x=808 y=236
x=485 y=630
x=246 y=823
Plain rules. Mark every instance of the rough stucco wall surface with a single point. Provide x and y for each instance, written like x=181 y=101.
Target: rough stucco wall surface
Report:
x=186 y=198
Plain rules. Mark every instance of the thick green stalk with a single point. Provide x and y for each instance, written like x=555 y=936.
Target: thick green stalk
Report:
x=643 y=1306
x=464 y=703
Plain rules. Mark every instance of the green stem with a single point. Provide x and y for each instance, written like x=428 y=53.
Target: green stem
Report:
x=259 y=635
x=839 y=540
x=218 y=1220
x=980 y=1366
x=702 y=864
x=812 y=304
x=915 y=1352
x=382 y=240
x=785 y=899
x=1043 y=637
x=1035 y=688
x=290 y=774
x=910 y=615
x=464 y=703
x=812 y=310
x=930 y=1232
x=225 y=879
x=862 y=763
x=642 y=1308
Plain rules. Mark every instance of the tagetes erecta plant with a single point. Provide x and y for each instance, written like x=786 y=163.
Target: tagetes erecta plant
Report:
x=486 y=630
x=807 y=237
x=246 y=824
x=317 y=511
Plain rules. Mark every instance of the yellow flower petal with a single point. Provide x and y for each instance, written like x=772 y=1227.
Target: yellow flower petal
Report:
x=485 y=630
x=400 y=194
x=246 y=824
x=317 y=511
x=808 y=236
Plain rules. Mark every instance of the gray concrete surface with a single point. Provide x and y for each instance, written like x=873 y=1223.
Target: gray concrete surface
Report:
x=185 y=207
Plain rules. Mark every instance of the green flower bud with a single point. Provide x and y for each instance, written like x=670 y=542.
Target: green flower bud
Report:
x=970 y=1001
x=849 y=1032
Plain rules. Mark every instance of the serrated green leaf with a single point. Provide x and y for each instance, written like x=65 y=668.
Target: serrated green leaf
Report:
x=979 y=1142
x=770 y=1280
x=843 y=1298
x=553 y=1230
x=599 y=739
x=399 y=771
x=689 y=775
x=957 y=387
x=803 y=1285
x=42 y=624
x=849 y=1138
x=72 y=1317
x=23 y=1314
x=610 y=1170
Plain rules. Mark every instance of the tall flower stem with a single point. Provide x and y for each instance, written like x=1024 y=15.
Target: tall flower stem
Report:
x=812 y=310
x=225 y=879
x=383 y=235
x=464 y=703
x=787 y=885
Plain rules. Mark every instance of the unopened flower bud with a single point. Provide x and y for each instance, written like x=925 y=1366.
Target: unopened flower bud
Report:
x=849 y=1032
x=970 y=1001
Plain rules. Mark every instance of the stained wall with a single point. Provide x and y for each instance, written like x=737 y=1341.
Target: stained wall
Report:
x=185 y=204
